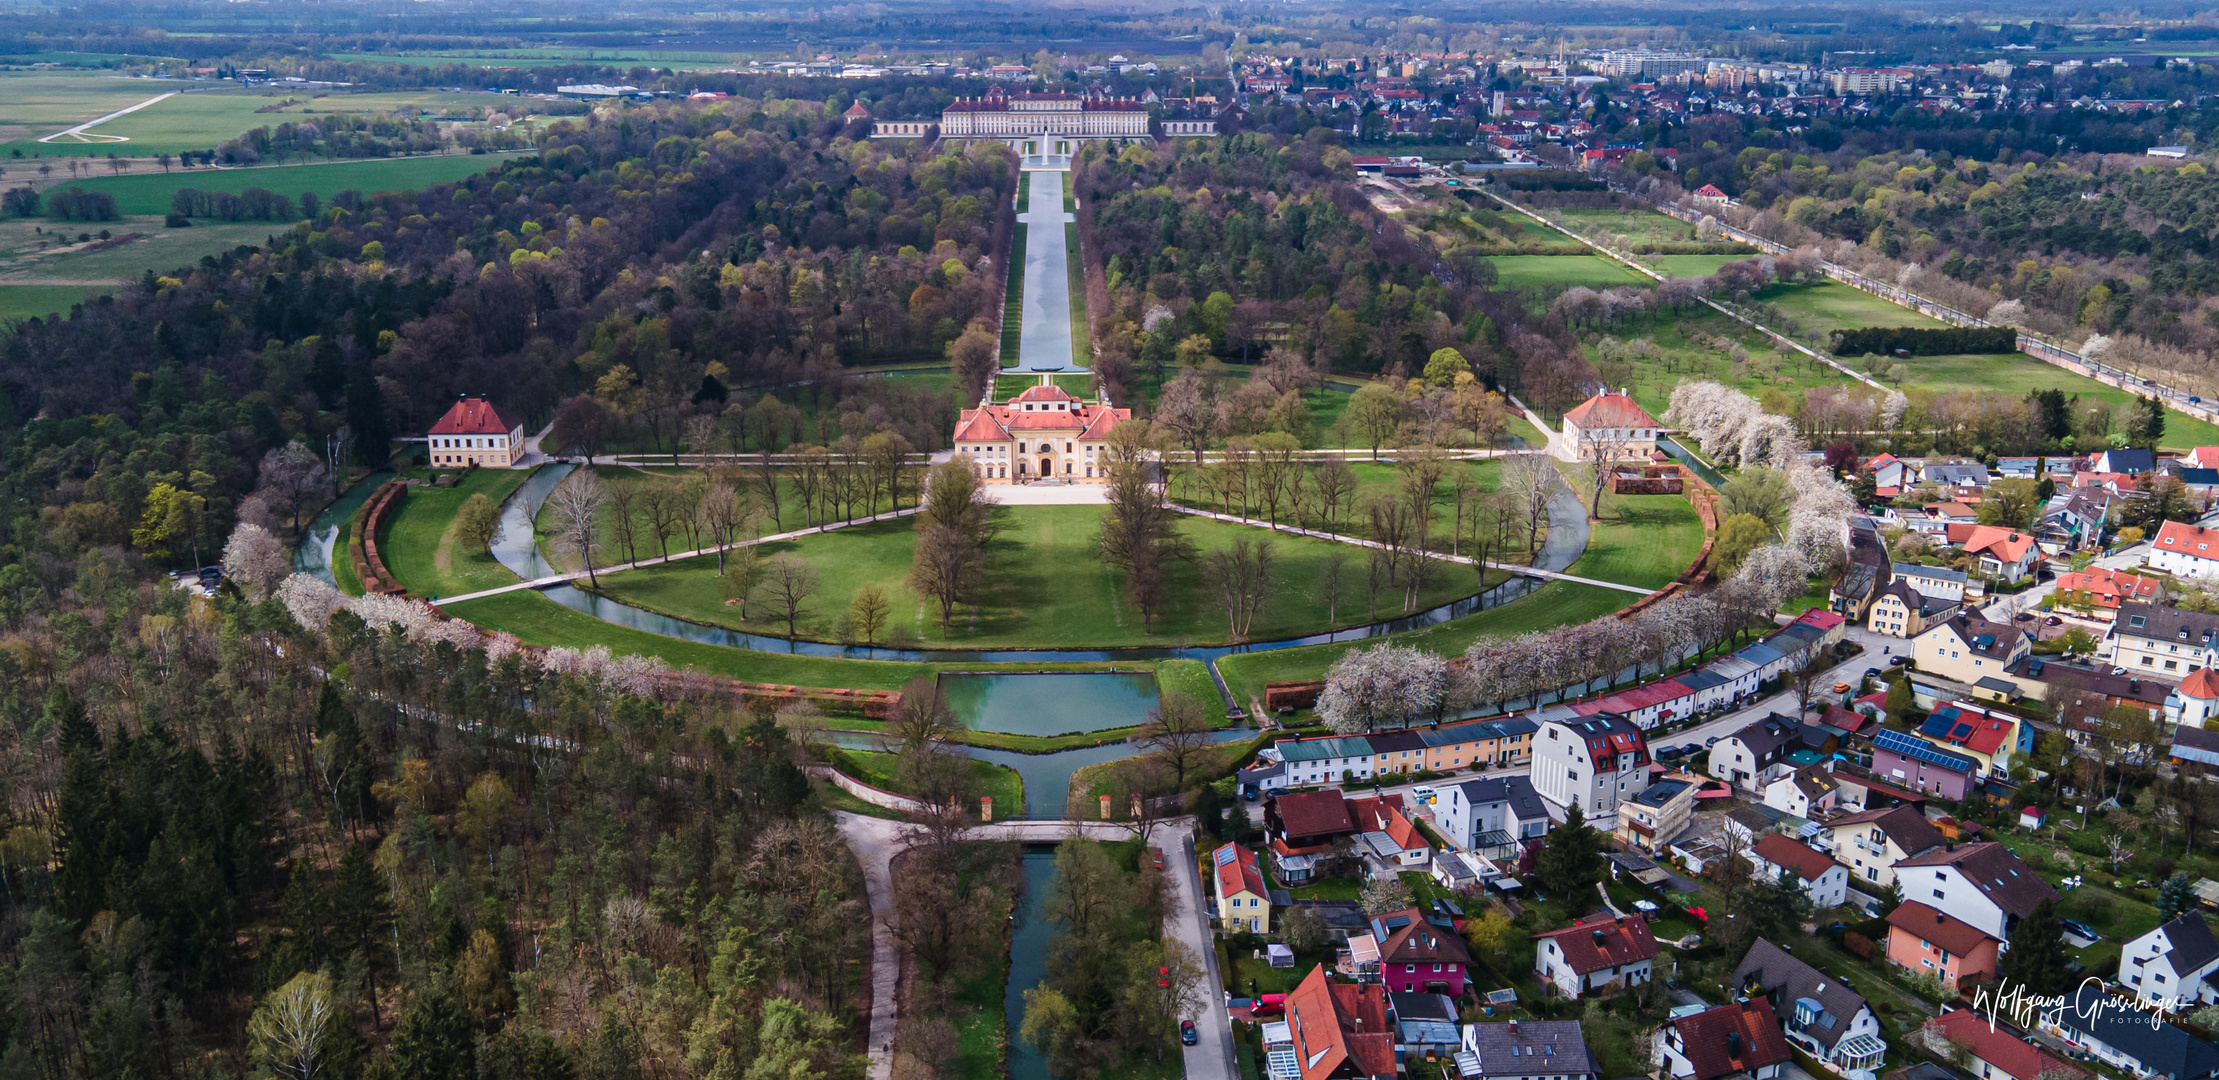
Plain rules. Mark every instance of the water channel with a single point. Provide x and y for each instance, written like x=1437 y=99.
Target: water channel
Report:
x=1028 y=962
x=321 y=543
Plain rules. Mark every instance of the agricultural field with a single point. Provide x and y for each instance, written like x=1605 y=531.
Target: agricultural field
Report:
x=39 y=103
x=35 y=251
x=1628 y=226
x=1688 y=265
x=39 y=301
x=1561 y=272
x=149 y=192
x=521 y=58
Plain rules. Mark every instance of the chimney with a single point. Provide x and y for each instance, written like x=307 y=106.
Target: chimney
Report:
x=1513 y=1025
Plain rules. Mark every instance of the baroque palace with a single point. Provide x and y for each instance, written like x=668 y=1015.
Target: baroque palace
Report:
x=1041 y=434
x=1039 y=124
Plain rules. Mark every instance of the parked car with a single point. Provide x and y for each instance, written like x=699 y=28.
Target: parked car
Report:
x=2079 y=929
x=1248 y=792
x=1898 y=661
x=1187 y=1034
x=2053 y=621
x=1269 y=1005
x=1841 y=688
x=1712 y=741
x=1872 y=672
x=1671 y=753
x=2118 y=671
x=1691 y=748
x=1156 y=855
x=1424 y=795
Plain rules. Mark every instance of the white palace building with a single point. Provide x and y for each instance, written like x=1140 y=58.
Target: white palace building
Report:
x=1041 y=124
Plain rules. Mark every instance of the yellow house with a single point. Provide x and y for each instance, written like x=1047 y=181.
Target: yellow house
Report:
x=474 y=432
x=1477 y=744
x=1904 y=612
x=1243 y=904
x=1968 y=648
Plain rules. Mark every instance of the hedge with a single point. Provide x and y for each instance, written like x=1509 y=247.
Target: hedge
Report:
x=1885 y=340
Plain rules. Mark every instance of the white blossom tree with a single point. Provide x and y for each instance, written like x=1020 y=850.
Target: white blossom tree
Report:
x=255 y=559
x=1385 y=684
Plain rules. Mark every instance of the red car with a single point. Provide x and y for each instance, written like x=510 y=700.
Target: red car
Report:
x=1269 y=1005
x=1157 y=855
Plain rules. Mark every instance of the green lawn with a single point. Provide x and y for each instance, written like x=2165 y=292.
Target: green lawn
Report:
x=1645 y=540
x=1545 y=271
x=1628 y=226
x=1690 y=265
x=1189 y=677
x=1831 y=305
x=56 y=257
x=44 y=102
x=1046 y=585
x=149 y=193
x=2018 y=373
x=39 y=301
x=420 y=546
x=199 y=117
x=999 y=781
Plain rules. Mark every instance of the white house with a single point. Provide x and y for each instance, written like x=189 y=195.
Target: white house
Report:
x=2127 y=1038
x=1742 y=757
x=1981 y=885
x=1332 y=760
x=2168 y=642
x=2194 y=701
x=1614 y=423
x=1738 y=1040
x=1872 y=842
x=1822 y=879
x=2177 y=960
x=1491 y=813
x=1590 y=761
x=1817 y=1012
x=1808 y=792
x=2185 y=550
x=1594 y=953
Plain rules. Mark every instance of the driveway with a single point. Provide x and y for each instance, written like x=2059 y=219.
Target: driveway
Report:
x=1211 y=1058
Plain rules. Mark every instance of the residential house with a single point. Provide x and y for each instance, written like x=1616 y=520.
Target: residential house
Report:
x=1852 y=593
x=1819 y=1013
x=1477 y=743
x=2185 y=550
x=1385 y=832
x=1461 y=871
x=2082 y=695
x=1737 y=680
x=1416 y=954
x=1493 y=814
x=1959 y=479
x=2196 y=746
x=1425 y=1027
x=2075 y=519
x=1526 y=1050
x=1890 y=475
x=2018 y=468
x=2097 y=592
x=1808 y=792
x=1770 y=663
x=1926 y=941
x=1871 y=842
x=1646 y=705
x=1993 y=738
x=1997 y=1053
x=1968 y=648
x=1591 y=762
x=1924 y=766
x=1243 y=900
x=2178 y=960
x=1656 y=814
x=1613 y=423
x=1736 y=1040
x=1934 y=581
x=474 y=432
x=1939 y=516
x=2005 y=553
x=1302 y=828
x=1396 y=752
x=1902 y=611
x=2194 y=701
x=1822 y=879
x=1596 y=953
x=2152 y=639
x=1981 y=884
x=1332 y=1031
x=2120 y=1033
x=2129 y=461
x=1743 y=757
x=1334 y=759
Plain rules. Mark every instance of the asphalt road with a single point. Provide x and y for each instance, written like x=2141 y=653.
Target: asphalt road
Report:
x=1211 y=1058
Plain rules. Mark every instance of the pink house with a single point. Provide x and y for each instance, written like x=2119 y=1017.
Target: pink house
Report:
x=1416 y=955
x=1926 y=942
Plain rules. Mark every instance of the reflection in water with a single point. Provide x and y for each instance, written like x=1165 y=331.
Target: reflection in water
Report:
x=1047 y=776
x=314 y=553
x=1028 y=964
x=1061 y=703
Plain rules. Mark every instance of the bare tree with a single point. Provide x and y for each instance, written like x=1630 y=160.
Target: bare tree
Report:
x=1595 y=451
x=948 y=568
x=1178 y=728
x=1246 y=577
x=665 y=506
x=869 y=610
x=292 y=481
x=1336 y=485
x=577 y=504
x=1529 y=480
x=1331 y=580
x=724 y=512
x=624 y=500
x=788 y=584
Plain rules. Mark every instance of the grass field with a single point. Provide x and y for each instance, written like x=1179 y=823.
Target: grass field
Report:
x=1689 y=265
x=144 y=245
x=149 y=193
x=1629 y=226
x=1189 y=677
x=201 y=115
x=39 y=103
x=1547 y=271
x=1645 y=540
x=420 y=546
x=39 y=301
x=1046 y=586
x=1000 y=781
x=1831 y=305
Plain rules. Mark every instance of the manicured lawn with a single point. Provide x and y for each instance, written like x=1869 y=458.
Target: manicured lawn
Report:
x=2018 y=373
x=1545 y=271
x=1046 y=585
x=1690 y=265
x=420 y=546
x=1189 y=677
x=1554 y=604
x=999 y=781
x=39 y=301
x=1645 y=540
x=149 y=193
x=1681 y=356
x=1830 y=305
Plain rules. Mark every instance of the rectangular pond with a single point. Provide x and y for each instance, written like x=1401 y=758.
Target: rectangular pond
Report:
x=1058 y=703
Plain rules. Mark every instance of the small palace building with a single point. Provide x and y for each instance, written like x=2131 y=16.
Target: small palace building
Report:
x=1043 y=433
x=474 y=432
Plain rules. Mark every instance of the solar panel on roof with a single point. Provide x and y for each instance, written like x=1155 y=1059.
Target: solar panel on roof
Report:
x=1226 y=856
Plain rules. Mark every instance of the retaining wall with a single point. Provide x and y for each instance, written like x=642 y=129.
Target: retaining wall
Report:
x=859 y=789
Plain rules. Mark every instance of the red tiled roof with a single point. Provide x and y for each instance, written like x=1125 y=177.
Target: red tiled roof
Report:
x=1384 y=814
x=1927 y=924
x=1412 y=940
x=1238 y=874
x=997 y=422
x=1601 y=941
x=473 y=416
x=2201 y=683
x=2192 y=540
x=2008 y=545
x=1733 y=1038
x=1610 y=410
x=2001 y=1049
x=857 y=112
x=1709 y=191
x=1340 y=1028
x=1314 y=813
x=1783 y=852
x=2106 y=587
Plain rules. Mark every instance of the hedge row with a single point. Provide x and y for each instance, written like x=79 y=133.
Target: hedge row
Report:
x=362 y=540
x=1885 y=340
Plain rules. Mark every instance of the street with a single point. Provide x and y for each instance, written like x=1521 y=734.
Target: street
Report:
x=1211 y=1058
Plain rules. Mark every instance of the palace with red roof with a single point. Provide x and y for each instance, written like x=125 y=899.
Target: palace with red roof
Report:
x=1041 y=434
x=475 y=432
x=1623 y=429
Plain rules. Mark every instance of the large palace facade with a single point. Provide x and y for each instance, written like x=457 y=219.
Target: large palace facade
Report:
x=1036 y=124
x=1041 y=434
